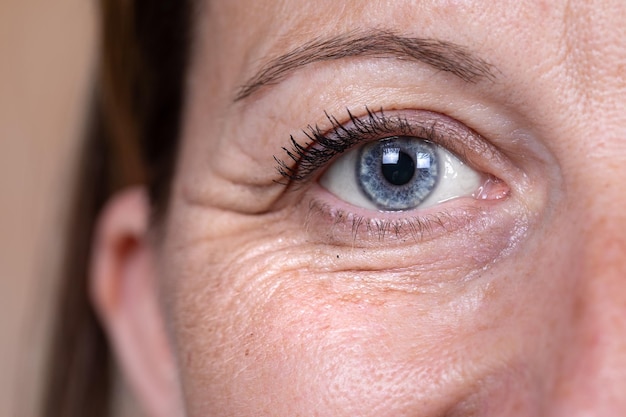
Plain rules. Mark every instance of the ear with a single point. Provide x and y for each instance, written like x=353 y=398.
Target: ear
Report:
x=123 y=289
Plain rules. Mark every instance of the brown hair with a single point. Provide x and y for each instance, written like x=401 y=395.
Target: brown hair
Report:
x=132 y=138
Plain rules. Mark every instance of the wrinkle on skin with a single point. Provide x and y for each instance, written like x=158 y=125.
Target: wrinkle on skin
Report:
x=270 y=316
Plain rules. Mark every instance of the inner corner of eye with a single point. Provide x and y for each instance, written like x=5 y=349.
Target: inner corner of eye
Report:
x=492 y=188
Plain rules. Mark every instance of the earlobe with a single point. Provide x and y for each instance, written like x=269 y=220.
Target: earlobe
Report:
x=124 y=292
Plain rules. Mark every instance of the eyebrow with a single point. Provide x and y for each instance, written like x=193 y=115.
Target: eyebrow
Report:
x=441 y=55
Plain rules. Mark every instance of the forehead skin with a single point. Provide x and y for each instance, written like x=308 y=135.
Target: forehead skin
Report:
x=261 y=327
x=535 y=35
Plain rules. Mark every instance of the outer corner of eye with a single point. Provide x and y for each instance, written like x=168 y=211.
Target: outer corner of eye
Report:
x=403 y=173
x=341 y=180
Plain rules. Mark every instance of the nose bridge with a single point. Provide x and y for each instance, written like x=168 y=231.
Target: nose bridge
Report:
x=602 y=277
x=593 y=374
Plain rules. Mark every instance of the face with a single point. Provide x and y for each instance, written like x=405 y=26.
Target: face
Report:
x=407 y=208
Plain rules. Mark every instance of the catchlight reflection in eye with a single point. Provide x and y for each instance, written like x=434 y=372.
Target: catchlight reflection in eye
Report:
x=399 y=173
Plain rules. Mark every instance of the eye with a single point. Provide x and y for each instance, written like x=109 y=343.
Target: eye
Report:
x=399 y=173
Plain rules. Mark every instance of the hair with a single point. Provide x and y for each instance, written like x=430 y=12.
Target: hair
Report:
x=132 y=136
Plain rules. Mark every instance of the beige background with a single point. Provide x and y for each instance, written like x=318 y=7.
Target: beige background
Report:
x=46 y=60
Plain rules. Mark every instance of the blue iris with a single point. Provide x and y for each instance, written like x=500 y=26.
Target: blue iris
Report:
x=398 y=173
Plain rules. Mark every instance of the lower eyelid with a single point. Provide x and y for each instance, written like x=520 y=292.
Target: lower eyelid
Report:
x=334 y=221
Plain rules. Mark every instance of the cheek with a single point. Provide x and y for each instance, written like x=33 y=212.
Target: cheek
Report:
x=256 y=334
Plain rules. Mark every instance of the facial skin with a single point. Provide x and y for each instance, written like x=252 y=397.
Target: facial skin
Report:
x=265 y=299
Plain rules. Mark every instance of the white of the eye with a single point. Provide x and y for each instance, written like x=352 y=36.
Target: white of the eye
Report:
x=456 y=180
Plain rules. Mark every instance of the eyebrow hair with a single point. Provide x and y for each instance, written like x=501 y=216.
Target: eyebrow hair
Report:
x=442 y=55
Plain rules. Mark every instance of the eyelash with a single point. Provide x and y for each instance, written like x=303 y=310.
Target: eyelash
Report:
x=322 y=147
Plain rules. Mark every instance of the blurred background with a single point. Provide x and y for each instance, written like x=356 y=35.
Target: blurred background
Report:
x=47 y=58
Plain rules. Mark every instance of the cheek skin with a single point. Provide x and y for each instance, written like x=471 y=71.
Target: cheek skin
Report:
x=270 y=324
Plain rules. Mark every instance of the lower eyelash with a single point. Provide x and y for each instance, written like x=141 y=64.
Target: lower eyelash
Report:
x=416 y=228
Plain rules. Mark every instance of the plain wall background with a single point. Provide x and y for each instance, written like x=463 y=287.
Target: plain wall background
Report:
x=47 y=53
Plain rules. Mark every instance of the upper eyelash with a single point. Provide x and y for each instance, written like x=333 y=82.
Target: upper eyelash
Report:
x=322 y=147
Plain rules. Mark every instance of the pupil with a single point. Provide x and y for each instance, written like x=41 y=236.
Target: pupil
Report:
x=399 y=169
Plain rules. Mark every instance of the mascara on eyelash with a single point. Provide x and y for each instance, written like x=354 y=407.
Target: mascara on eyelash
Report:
x=322 y=147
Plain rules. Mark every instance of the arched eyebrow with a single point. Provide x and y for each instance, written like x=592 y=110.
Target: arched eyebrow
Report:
x=442 y=55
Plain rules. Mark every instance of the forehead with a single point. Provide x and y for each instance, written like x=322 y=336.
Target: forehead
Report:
x=236 y=38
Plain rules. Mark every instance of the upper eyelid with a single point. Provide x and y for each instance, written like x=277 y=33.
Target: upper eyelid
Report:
x=323 y=146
